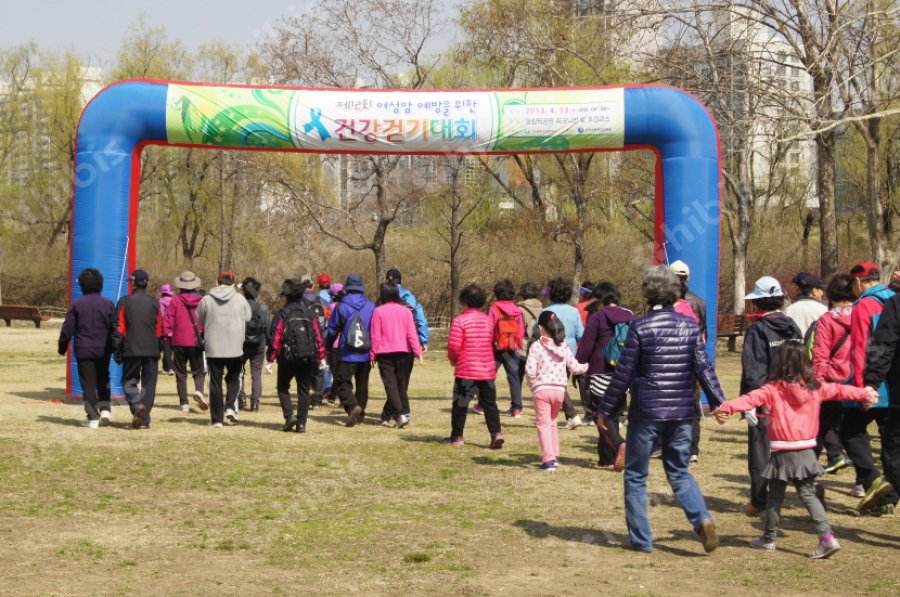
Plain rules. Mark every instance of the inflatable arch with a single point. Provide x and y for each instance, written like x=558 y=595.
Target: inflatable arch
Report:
x=126 y=116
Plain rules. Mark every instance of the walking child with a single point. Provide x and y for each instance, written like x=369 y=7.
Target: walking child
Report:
x=793 y=398
x=470 y=348
x=545 y=371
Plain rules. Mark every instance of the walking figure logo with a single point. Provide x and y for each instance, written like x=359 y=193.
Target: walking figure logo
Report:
x=315 y=122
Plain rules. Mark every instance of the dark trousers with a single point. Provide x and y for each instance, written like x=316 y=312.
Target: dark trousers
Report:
x=509 y=359
x=256 y=367
x=345 y=375
x=857 y=442
x=317 y=384
x=830 y=416
x=568 y=407
x=302 y=374
x=695 y=428
x=181 y=357
x=890 y=446
x=165 y=347
x=395 y=369
x=141 y=371
x=463 y=392
x=218 y=402
x=609 y=441
x=94 y=377
x=757 y=459
x=584 y=393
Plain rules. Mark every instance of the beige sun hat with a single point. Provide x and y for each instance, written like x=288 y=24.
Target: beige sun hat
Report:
x=188 y=280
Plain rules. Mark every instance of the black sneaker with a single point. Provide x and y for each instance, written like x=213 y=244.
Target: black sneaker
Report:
x=301 y=428
x=290 y=424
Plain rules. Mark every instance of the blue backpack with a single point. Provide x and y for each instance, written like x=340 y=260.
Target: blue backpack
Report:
x=613 y=349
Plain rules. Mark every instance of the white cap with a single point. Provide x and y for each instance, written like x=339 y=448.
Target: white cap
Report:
x=680 y=268
x=765 y=287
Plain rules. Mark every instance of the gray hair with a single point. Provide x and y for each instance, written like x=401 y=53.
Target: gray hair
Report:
x=660 y=286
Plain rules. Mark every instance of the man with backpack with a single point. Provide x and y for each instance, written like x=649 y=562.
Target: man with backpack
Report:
x=350 y=324
x=135 y=345
x=880 y=496
x=254 y=344
x=297 y=345
x=509 y=336
x=224 y=314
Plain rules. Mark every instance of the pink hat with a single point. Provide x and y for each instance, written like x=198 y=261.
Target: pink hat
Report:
x=335 y=288
x=165 y=290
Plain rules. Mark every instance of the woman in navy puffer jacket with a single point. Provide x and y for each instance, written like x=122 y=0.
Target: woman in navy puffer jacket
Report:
x=662 y=355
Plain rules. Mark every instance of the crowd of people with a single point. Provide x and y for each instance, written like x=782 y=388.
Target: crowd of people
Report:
x=798 y=364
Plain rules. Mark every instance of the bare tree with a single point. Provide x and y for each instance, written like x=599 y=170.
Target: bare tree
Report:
x=355 y=43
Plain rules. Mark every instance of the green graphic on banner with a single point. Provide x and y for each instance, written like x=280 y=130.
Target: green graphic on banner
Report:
x=560 y=120
x=229 y=116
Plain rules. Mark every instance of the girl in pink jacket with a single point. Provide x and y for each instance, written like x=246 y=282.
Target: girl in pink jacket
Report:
x=545 y=371
x=793 y=397
x=470 y=348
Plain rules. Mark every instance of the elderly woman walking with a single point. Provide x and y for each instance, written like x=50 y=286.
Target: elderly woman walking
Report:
x=662 y=354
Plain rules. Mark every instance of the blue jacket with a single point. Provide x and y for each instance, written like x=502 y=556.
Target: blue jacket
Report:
x=571 y=320
x=419 y=314
x=661 y=357
x=340 y=320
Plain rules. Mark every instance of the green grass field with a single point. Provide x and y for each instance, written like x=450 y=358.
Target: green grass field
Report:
x=183 y=509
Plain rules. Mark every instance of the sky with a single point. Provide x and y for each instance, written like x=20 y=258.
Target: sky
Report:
x=94 y=29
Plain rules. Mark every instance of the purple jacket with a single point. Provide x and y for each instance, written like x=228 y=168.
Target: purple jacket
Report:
x=353 y=303
x=89 y=322
x=662 y=355
x=597 y=333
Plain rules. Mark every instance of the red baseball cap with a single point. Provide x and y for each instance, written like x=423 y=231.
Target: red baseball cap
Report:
x=865 y=269
x=323 y=280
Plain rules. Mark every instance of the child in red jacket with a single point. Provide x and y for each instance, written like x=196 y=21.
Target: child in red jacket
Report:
x=793 y=398
x=470 y=348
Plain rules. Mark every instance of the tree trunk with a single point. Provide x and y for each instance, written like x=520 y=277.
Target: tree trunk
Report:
x=827 y=206
x=874 y=207
x=455 y=243
x=221 y=211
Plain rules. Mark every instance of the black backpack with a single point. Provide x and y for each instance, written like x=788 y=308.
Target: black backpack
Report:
x=356 y=336
x=317 y=309
x=299 y=337
x=254 y=333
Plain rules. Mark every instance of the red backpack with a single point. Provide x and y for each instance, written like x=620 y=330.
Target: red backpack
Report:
x=506 y=332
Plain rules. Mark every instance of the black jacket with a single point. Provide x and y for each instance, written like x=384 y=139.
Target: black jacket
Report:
x=762 y=338
x=662 y=354
x=138 y=326
x=882 y=356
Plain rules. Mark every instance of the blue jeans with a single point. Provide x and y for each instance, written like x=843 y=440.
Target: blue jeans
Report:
x=675 y=437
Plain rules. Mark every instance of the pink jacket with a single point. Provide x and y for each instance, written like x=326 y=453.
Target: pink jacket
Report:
x=831 y=329
x=794 y=410
x=547 y=363
x=393 y=329
x=470 y=346
x=177 y=323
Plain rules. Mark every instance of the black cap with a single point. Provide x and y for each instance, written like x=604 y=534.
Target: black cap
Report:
x=393 y=275
x=139 y=277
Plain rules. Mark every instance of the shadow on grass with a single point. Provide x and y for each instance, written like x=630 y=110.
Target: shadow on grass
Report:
x=603 y=538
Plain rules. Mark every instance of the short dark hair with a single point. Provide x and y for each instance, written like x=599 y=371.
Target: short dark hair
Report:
x=473 y=296
x=560 y=290
x=840 y=289
x=791 y=364
x=529 y=290
x=769 y=303
x=606 y=293
x=554 y=326
x=90 y=280
x=388 y=292
x=504 y=290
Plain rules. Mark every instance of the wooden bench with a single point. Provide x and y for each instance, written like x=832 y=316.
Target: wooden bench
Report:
x=731 y=326
x=22 y=313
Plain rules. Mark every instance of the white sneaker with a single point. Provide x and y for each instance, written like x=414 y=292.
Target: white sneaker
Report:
x=105 y=417
x=694 y=459
x=200 y=400
x=389 y=423
x=402 y=421
x=573 y=423
x=95 y=424
x=858 y=491
x=215 y=425
x=185 y=408
x=231 y=416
